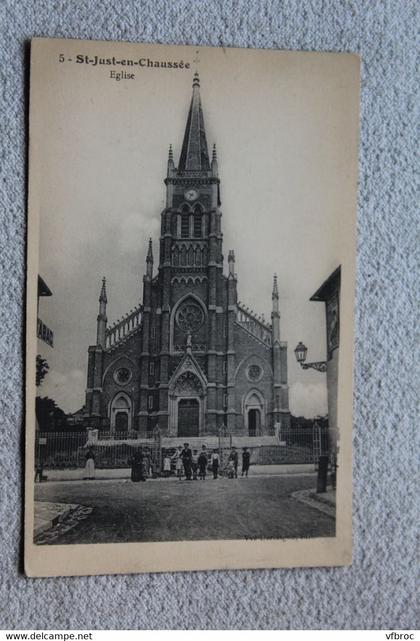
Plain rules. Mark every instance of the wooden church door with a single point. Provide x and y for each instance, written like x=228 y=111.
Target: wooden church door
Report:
x=188 y=417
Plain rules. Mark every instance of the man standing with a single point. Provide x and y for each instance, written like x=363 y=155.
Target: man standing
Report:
x=202 y=463
x=186 y=456
x=246 y=456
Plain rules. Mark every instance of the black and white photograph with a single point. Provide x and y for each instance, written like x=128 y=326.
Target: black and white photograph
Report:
x=190 y=307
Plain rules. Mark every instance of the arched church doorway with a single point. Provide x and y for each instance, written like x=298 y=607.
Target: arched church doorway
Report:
x=253 y=413
x=121 y=413
x=188 y=417
x=254 y=422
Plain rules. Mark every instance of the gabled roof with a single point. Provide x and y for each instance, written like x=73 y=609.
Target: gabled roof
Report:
x=43 y=289
x=331 y=284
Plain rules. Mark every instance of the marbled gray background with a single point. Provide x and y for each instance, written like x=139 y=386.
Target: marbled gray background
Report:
x=378 y=590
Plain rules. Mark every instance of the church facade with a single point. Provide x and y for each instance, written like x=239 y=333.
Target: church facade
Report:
x=190 y=358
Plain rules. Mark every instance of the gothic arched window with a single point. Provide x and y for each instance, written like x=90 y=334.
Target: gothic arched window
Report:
x=197 y=222
x=185 y=224
x=175 y=225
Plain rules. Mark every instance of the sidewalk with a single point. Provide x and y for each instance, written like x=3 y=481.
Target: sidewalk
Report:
x=125 y=473
x=324 y=502
x=47 y=514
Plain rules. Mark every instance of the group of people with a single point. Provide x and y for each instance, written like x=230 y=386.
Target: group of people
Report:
x=188 y=462
x=140 y=464
x=194 y=464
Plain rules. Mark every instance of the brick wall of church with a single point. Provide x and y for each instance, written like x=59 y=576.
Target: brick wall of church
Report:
x=249 y=352
x=123 y=356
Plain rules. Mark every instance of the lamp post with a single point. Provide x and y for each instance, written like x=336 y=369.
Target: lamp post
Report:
x=320 y=366
x=300 y=352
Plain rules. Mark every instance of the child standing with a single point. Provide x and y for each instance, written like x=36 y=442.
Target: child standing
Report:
x=202 y=463
x=215 y=459
x=194 y=464
x=178 y=462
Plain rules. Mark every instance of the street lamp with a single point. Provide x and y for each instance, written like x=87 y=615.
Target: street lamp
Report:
x=300 y=352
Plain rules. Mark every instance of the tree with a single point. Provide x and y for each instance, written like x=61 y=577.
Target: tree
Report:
x=51 y=418
x=42 y=368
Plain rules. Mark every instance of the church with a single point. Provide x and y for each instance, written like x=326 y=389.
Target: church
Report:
x=190 y=358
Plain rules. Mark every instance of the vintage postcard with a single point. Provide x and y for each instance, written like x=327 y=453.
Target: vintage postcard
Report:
x=191 y=267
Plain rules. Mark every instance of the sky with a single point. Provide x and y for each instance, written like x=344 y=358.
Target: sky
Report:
x=280 y=122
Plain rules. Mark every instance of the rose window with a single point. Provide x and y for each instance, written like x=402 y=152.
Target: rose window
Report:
x=254 y=372
x=190 y=317
x=122 y=375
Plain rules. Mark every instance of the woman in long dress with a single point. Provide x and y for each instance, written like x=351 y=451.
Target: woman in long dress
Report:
x=166 y=465
x=90 y=465
x=137 y=465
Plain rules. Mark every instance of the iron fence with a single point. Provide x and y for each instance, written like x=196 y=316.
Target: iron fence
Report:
x=67 y=450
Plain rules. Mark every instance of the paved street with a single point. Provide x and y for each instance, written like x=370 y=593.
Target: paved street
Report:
x=169 y=510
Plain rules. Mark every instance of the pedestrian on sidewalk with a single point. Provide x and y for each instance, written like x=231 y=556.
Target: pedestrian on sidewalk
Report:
x=246 y=458
x=202 y=463
x=186 y=456
x=178 y=462
x=147 y=464
x=166 y=464
x=215 y=460
x=90 y=466
x=137 y=465
x=194 y=464
x=234 y=458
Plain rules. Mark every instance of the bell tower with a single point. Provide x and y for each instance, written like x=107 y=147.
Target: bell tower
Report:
x=189 y=290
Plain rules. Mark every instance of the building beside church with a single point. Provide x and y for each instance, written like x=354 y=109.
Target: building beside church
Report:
x=329 y=294
x=190 y=358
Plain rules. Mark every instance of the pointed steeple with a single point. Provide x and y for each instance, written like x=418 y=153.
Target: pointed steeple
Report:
x=231 y=263
x=194 y=153
x=275 y=293
x=275 y=314
x=101 y=319
x=149 y=260
x=214 y=167
x=171 y=165
x=102 y=295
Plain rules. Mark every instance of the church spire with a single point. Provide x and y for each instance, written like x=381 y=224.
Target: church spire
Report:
x=275 y=314
x=275 y=294
x=102 y=295
x=194 y=153
x=214 y=167
x=171 y=166
x=101 y=320
x=149 y=260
